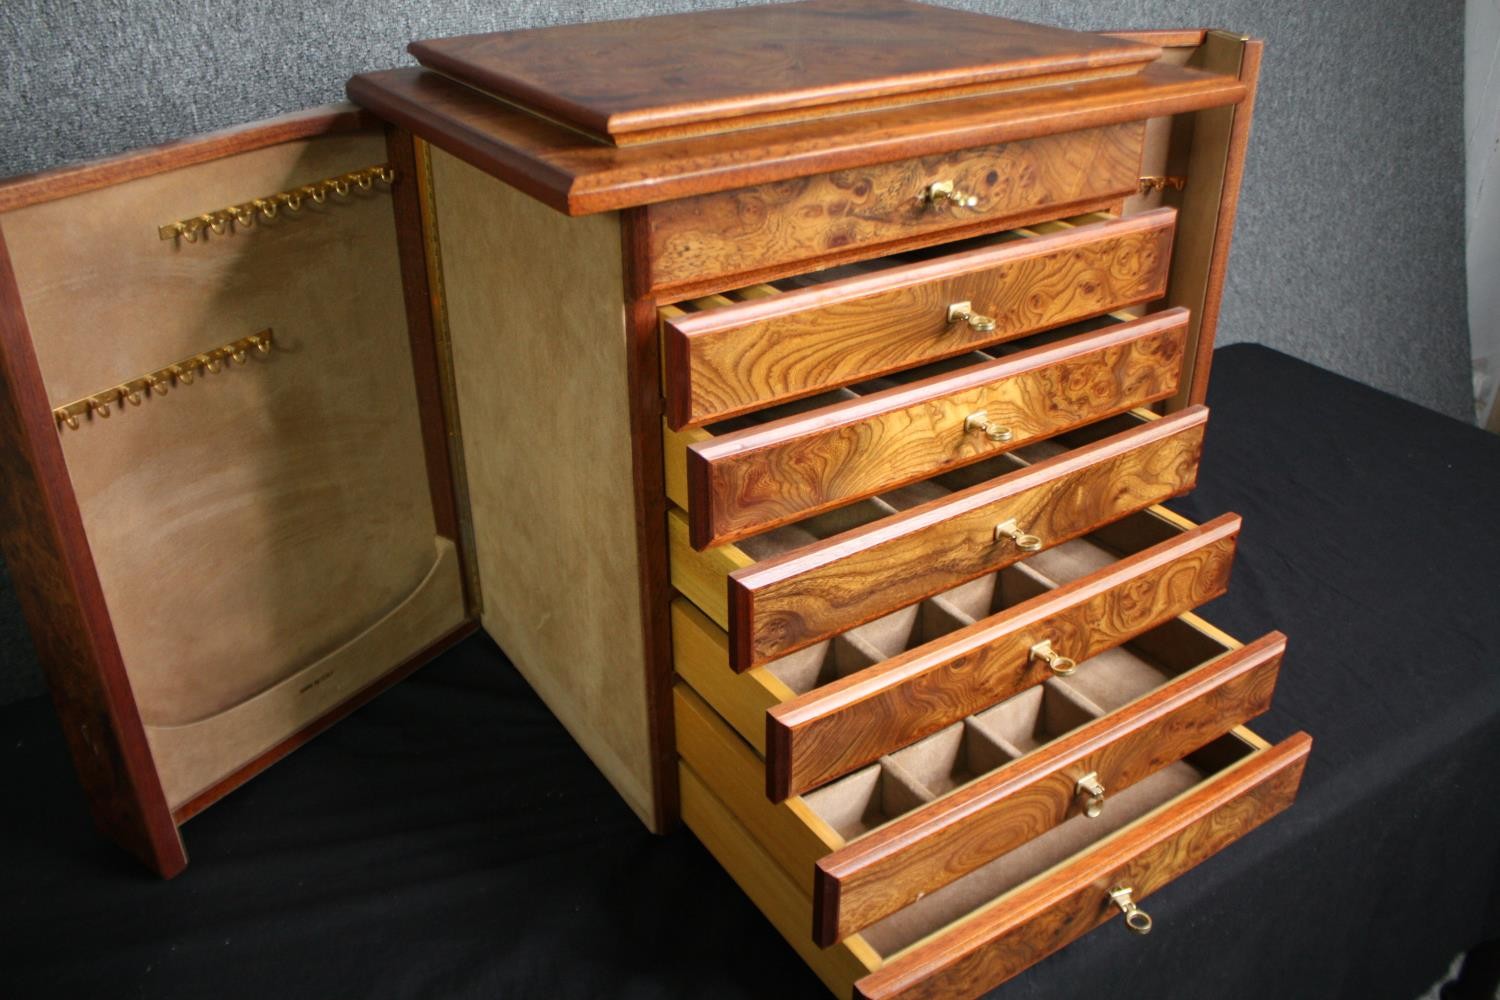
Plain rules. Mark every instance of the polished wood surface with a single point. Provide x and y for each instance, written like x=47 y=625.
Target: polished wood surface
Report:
x=644 y=414
x=1044 y=915
x=771 y=348
x=835 y=728
x=643 y=77
x=748 y=481
x=578 y=175
x=62 y=182
x=938 y=843
x=788 y=602
x=57 y=587
x=750 y=231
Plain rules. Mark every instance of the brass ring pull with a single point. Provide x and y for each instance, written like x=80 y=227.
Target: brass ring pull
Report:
x=1137 y=919
x=210 y=364
x=99 y=407
x=943 y=191
x=963 y=312
x=158 y=385
x=71 y=419
x=1091 y=791
x=340 y=187
x=262 y=342
x=267 y=209
x=292 y=201
x=183 y=374
x=386 y=174
x=980 y=421
x=238 y=356
x=1024 y=542
x=131 y=395
x=1060 y=665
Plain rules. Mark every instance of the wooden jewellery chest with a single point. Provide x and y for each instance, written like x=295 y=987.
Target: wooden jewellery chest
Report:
x=789 y=391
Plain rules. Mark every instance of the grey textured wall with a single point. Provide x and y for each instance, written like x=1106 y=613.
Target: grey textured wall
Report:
x=1349 y=250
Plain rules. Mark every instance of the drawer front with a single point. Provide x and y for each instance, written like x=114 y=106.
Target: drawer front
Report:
x=1043 y=916
x=747 y=481
x=852 y=721
x=724 y=361
x=932 y=846
x=785 y=603
x=778 y=228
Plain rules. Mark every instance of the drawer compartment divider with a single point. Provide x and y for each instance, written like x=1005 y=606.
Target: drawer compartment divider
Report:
x=934 y=845
x=1058 y=905
x=852 y=721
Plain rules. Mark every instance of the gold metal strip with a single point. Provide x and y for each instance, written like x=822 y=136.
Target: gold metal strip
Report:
x=101 y=404
x=225 y=220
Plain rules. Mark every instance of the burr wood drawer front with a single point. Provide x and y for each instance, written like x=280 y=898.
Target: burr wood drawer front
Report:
x=745 y=476
x=894 y=883
x=786 y=226
x=792 y=587
x=839 y=704
x=768 y=343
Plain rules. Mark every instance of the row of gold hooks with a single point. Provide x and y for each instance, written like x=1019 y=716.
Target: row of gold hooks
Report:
x=246 y=214
x=101 y=404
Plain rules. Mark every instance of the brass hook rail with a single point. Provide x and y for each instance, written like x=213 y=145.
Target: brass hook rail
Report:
x=245 y=214
x=101 y=404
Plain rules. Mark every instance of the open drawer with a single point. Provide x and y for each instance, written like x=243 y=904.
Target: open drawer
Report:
x=744 y=476
x=765 y=344
x=802 y=583
x=892 y=868
x=1010 y=913
x=836 y=706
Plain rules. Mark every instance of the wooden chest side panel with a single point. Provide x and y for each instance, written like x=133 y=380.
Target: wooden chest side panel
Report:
x=750 y=230
x=535 y=306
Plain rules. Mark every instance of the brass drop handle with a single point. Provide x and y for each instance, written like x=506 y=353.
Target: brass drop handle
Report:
x=1060 y=665
x=963 y=312
x=1024 y=542
x=943 y=191
x=1136 y=919
x=980 y=421
x=1091 y=791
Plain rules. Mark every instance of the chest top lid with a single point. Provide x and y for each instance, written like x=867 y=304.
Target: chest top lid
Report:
x=652 y=78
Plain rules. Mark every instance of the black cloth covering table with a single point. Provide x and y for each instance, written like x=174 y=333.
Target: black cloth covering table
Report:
x=449 y=840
